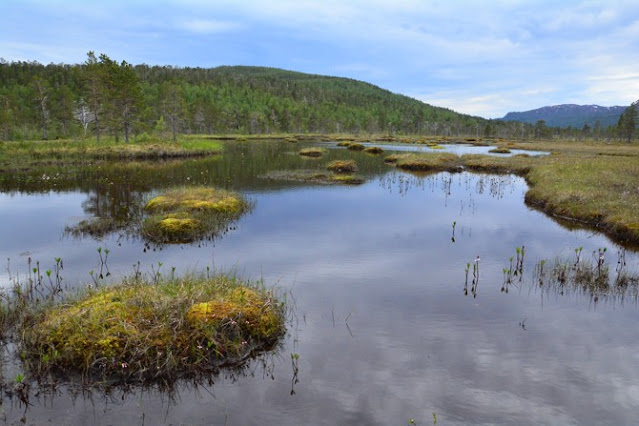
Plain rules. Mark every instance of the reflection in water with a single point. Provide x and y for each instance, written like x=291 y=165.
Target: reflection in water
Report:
x=154 y=404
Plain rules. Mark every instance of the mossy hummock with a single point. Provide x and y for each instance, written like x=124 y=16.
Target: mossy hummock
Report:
x=185 y=214
x=342 y=166
x=141 y=332
x=312 y=152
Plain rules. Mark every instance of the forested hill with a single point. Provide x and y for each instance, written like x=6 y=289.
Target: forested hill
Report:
x=60 y=101
x=102 y=97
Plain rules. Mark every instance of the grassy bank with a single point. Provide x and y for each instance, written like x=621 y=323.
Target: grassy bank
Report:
x=145 y=332
x=25 y=155
x=591 y=183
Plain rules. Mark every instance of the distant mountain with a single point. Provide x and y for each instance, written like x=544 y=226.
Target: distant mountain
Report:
x=570 y=115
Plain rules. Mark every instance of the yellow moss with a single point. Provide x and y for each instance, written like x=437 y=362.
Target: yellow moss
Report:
x=228 y=205
x=252 y=313
x=173 y=225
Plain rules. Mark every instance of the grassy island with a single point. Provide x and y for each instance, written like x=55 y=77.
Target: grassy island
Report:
x=185 y=214
x=139 y=332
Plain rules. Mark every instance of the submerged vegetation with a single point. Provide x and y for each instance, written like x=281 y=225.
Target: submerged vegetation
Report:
x=185 y=214
x=144 y=332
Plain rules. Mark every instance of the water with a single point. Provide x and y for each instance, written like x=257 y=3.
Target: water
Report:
x=375 y=283
x=458 y=149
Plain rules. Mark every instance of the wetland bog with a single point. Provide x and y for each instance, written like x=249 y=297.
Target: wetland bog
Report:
x=397 y=287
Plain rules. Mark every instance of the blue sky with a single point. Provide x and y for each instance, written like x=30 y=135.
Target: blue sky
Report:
x=478 y=57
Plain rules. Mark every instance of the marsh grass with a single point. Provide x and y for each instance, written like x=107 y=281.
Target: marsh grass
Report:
x=186 y=214
x=590 y=277
x=142 y=331
x=33 y=153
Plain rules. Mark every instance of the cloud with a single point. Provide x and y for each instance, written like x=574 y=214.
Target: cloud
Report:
x=475 y=57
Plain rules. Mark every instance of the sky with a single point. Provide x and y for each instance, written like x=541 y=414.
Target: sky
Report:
x=479 y=57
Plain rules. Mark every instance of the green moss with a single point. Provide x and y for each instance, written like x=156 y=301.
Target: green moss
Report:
x=356 y=147
x=138 y=331
x=345 y=143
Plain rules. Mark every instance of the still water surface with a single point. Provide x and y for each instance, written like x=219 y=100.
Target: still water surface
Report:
x=375 y=282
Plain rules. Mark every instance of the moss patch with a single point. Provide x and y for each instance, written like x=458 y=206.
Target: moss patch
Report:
x=186 y=214
x=356 y=147
x=144 y=332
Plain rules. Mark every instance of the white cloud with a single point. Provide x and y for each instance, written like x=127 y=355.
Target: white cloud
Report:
x=208 y=26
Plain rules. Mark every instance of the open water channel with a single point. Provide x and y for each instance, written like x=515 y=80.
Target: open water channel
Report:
x=385 y=325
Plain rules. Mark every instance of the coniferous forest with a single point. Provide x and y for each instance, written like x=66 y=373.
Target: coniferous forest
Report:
x=102 y=97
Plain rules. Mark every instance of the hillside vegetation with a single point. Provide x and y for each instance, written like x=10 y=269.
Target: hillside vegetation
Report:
x=62 y=101
x=102 y=97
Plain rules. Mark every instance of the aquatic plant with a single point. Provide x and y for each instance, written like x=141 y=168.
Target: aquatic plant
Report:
x=592 y=278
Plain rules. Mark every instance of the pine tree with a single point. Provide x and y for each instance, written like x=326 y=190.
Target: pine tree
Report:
x=628 y=122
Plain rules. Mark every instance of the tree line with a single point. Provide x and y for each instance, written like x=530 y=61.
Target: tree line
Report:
x=102 y=97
